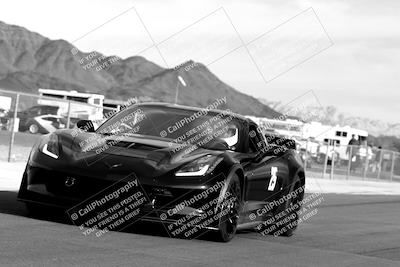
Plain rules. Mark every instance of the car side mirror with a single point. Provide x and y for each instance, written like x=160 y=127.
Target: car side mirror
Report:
x=290 y=144
x=281 y=141
x=218 y=144
x=86 y=125
x=271 y=150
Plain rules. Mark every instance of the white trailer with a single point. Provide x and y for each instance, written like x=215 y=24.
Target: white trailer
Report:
x=91 y=107
x=337 y=137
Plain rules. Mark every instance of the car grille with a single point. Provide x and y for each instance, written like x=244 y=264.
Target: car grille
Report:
x=84 y=187
x=76 y=186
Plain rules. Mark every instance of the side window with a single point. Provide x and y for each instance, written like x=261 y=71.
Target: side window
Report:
x=35 y=111
x=256 y=140
x=52 y=119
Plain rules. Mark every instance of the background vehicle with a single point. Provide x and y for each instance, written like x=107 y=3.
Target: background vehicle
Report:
x=27 y=117
x=45 y=124
x=337 y=137
x=92 y=108
x=231 y=168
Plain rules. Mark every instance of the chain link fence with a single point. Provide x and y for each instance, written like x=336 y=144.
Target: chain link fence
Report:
x=333 y=161
x=25 y=117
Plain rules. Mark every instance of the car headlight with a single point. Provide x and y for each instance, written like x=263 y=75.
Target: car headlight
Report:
x=199 y=167
x=50 y=146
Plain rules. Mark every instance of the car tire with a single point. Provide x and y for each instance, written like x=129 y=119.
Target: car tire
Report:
x=33 y=128
x=228 y=221
x=290 y=212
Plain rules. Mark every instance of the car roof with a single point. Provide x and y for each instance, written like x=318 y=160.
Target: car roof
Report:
x=49 y=115
x=190 y=108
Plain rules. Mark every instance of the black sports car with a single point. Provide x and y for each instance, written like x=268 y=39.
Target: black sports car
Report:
x=193 y=170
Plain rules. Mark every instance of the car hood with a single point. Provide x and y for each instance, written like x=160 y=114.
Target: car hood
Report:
x=143 y=155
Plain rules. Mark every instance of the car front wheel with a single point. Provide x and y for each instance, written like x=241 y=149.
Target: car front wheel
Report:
x=33 y=128
x=229 y=211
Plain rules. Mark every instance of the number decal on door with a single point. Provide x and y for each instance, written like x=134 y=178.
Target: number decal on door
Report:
x=272 y=181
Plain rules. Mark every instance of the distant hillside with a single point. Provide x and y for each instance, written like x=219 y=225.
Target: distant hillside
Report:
x=29 y=61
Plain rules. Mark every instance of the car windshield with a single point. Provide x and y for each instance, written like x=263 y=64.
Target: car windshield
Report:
x=181 y=126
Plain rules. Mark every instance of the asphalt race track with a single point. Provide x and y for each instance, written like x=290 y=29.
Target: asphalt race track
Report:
x=348 y=230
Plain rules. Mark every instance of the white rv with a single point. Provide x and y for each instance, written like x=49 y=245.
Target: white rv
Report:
x=91 y=107
x=337 y=137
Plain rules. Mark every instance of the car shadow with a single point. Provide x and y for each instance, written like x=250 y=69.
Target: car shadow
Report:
x=9 y=204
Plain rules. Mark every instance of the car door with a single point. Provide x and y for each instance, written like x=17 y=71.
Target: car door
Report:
x=264 y=174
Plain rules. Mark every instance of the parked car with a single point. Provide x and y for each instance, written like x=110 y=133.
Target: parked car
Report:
x=27 y=121
x=45 y=124
x=25 y=116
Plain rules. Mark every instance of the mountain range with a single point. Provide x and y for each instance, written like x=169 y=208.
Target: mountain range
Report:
x=29 y=61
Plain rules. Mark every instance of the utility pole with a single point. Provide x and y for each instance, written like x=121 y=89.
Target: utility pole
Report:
x=181 y=81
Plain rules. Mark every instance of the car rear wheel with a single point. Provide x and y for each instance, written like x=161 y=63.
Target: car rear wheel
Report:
x=288 y=212
x=229 y=211
x=33 y=128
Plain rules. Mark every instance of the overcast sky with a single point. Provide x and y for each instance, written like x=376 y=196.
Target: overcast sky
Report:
x=346 y=51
